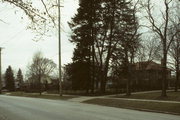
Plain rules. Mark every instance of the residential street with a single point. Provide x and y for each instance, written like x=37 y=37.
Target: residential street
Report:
x=22 y=108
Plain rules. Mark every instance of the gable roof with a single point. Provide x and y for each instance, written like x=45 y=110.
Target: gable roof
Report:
x=147 y=65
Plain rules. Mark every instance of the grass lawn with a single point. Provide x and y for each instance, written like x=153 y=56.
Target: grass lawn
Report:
x=36 y=95
x=173 y=108
x=171 y=96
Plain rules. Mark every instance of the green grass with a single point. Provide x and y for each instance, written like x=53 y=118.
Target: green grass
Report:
x=173 y=108
x=36 y=95
x=171 y=96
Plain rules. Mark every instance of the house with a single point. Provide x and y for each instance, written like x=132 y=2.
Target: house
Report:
x=47 y=83
x=148 y=75
x=145 y=75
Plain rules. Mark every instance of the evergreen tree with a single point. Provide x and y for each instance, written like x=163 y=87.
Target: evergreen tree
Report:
x=19 y=78
x=78 y=75
x=101 y=29
x=118 y=36
x=9 y=79
x=129 y=41
x=82 y=27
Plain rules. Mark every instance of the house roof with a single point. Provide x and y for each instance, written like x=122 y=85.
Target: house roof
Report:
x=148 y=65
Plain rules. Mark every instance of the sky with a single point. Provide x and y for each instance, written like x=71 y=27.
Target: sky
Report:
x=18 y=43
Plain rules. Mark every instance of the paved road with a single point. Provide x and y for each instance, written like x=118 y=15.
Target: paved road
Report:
x=21 y=108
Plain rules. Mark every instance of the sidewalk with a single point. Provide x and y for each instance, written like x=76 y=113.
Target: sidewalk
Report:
x=45 y=93
x=148 y=105
x=147 y=100
x=85 y=98
x=82 y=99
x=154 y=91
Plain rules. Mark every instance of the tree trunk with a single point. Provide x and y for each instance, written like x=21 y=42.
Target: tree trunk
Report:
x=93 y=71
x=109 y=51
x=103 y=80
x=128 y=89
x=40 y=85
x=93 y=48
x=101 y=77
x=164 y=76
x=105 y=72
x=177 y=78
x=103 y=89
x=127 y=73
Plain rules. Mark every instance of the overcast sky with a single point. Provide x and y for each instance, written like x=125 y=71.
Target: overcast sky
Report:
x=17 y=41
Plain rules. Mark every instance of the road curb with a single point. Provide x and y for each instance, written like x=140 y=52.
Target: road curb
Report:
x=155 y=111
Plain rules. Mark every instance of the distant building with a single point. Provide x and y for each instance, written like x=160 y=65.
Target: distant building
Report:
x=148 y=74
x=17 y=85
x=144 y=75
x=47 y=83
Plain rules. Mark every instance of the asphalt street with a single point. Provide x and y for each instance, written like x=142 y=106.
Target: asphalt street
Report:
x=22 y=108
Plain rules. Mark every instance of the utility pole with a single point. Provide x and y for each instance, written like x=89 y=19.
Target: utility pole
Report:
x=0 y=72
x=59 y=46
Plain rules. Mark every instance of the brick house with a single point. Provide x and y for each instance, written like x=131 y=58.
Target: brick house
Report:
x=148 y=75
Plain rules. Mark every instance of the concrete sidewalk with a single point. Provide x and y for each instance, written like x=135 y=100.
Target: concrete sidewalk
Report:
x=135 y=93
x=147 y=100
x=85 y=98
x=82 y=99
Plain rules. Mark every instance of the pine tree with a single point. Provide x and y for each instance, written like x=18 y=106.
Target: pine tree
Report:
x=9 y=79
x=19 y=78
x=119 y=28
x=77 y=74
x=82 y=27
x=126 y=36
x=130 y=41
x=100 y=29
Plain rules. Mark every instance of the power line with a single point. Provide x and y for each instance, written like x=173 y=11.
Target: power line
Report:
x=13 y=37
x=3 y=21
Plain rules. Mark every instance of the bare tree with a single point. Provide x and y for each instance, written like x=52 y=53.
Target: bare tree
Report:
x=149 y=50
x=175 y=55
x=42 y=19
x=161 y=29
x=174 y=51
x=40 y=67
